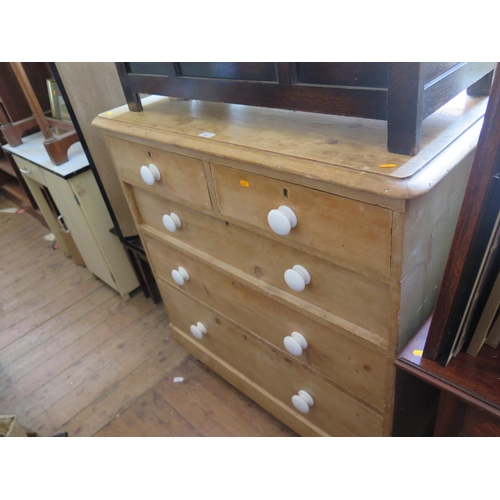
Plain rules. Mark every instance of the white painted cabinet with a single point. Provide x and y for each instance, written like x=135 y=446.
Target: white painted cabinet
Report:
x=80 y=217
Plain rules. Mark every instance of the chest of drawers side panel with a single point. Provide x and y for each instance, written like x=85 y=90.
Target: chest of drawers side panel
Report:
x=429 y=226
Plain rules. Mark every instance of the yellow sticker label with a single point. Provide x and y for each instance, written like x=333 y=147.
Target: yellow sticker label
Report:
x=109 y=112
x=418 y=352
x=245 y=184
x=387 y=165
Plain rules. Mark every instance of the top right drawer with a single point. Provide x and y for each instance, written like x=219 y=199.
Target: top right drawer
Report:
x=333 y=225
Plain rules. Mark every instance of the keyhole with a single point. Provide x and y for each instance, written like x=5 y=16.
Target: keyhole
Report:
x=149 y=154
x=285 y=193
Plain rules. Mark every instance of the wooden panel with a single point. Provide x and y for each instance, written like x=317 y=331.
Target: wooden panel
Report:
x=334 y=412
x=92 y=87
x=88 y=197
x=151 y=68
x=359 y=102
x=352 y=296
x=435 y=70
x=339 y=226
x=372 y=74
x=182 y=178
x=260 y=71
x=459 y=79
x=76 y=222
x=429 y=226
x=349 y=364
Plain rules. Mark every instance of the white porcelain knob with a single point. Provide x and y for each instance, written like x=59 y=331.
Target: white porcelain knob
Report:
x=282 y=220
x=147 y=175
x=171 y=222
x=155 y=171
x=198 y=330
x=297 y=278
x=180 y=276
x=295 y=343
x=302 y=401
x=150 y=174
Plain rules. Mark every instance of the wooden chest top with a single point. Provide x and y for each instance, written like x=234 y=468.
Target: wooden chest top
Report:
x=342 y=151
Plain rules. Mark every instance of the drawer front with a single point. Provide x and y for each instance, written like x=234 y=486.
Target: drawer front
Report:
x=30 y=170
x=333 y=410
x=349 y=229
x=182 y=178
x=348 y=363
x=352 y=296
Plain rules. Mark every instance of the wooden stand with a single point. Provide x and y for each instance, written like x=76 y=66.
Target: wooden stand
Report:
x=56 y=146
x=403 y=94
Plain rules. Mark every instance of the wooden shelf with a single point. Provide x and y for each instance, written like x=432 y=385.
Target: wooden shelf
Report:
x=474 y=380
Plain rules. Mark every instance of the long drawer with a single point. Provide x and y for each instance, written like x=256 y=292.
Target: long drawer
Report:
x=333 y=410
x=350 y=364
x=182 y=178
x=355 y=297
x=350 y=229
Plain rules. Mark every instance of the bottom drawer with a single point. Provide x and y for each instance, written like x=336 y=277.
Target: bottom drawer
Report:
x=333 y=411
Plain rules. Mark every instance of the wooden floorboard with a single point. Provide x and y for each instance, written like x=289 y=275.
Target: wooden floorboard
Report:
x=75 y=357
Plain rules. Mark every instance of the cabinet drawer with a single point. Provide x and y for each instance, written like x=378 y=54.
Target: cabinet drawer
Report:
x=333 y=410
x=182 y=178
x=348 y=363
x=29 y=169
x=348 y=229
x=361 y=300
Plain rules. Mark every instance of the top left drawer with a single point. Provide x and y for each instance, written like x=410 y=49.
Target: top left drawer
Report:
x=29 y=169
x=178 y=178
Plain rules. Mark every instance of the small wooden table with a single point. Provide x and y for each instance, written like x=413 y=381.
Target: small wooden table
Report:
x=469 y=403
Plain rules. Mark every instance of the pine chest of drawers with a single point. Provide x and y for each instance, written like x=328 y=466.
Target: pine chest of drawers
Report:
x=294 y=254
